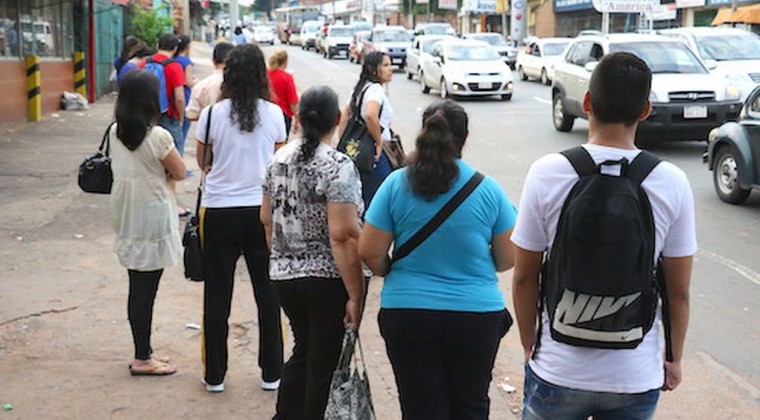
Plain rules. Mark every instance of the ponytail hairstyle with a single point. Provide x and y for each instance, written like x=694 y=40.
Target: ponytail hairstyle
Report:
x=370 y=68
x=137 y=107
x=432 y=166
x=317 y=111
x=183 y=43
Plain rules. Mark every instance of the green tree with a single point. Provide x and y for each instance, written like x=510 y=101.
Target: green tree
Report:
x=263 y=6
x=149 y=25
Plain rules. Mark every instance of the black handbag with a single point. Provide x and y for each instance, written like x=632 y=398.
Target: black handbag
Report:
x=95 y=175
x=191 y=238
x=356 y=141
x=394 y=150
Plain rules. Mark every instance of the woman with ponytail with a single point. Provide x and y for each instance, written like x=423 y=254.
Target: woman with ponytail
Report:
x=312 y=203
x=370 y=99
x=442 y=314
x=143 y=207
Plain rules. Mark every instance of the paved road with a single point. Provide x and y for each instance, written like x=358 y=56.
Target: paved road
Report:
x=507 y=136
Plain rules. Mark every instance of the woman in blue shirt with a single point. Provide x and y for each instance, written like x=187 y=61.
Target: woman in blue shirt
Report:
x=442 y=314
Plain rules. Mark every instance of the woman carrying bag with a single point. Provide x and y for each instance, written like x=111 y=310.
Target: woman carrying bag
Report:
x=374 y=107
x=245 y=129
x=143 y=207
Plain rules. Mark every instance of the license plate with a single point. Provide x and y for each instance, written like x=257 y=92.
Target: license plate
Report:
x=397 y=60
x=694 y=112
x=484 y=85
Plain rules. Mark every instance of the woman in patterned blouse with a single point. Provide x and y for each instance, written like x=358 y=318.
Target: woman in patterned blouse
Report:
x=311 y=209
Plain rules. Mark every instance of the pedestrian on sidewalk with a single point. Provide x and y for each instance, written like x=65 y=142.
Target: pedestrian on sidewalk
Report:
x=209 y=89
x=370 y=99
x=311 y=209
x=600 y=365
x=134 y=61
x=442 y=314
x=183 y=58
x=245 y=129
x=172 y=77
x=283 y=86
x=143 y=207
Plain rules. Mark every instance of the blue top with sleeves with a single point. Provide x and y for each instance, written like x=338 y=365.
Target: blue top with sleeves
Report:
x=185 y=61
x=453 y=269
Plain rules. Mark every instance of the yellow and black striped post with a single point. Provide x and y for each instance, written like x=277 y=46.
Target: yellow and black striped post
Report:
x=33 y=91
x=79 y=74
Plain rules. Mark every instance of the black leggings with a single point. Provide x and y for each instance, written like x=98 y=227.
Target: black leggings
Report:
x=143 y=286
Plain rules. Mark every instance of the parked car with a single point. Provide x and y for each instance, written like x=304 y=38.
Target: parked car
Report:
x=356 y=49
x=434 y=28
x=507 y=52
x=466 y=68
x=361 y=25
x=733 y=153
x=687 y=101
x=309 y=32
x=337 y=41
x=264 y=35
x=733 y=53
x=420 y=52
x=392 y=40
x=539 y=57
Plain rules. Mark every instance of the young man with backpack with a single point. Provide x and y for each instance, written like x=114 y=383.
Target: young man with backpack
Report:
x=604 y=232
x=172 y=78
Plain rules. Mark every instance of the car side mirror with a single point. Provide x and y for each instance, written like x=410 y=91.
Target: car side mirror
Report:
x=590 y=66
x=711 y=64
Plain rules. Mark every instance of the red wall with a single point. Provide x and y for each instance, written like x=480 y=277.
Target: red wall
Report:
x=57 y=76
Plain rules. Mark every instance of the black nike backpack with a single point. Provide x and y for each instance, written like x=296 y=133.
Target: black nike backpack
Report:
x=599 y=282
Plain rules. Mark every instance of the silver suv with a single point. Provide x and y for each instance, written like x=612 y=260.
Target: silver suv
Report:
x=687 y=101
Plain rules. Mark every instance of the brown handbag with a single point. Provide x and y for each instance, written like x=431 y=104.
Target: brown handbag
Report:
x=395 y=151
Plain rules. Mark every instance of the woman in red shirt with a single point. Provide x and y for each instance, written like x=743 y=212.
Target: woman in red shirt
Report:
x=282 y=86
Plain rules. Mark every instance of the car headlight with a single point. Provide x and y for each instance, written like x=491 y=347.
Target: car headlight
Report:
x=712 y=134
x=733 y=93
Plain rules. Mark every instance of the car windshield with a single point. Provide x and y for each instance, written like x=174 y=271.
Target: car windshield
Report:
x=554 y=49
x=663 y=57
x=730 y=47
x=391 y=36
x=437 y=29
x=428 y=45
x=362 y=26
x=495 y=40
x=471 y=53
x=341 y=32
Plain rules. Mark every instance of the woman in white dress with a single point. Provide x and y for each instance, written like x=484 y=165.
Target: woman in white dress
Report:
x=143 y=207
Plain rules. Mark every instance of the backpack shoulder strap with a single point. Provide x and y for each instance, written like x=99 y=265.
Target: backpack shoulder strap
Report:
x=641 y=166
x=581 y=160
x=168 y=61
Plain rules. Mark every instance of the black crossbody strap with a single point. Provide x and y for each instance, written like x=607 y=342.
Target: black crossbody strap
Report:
x=356 y=108
x=203 y=170
x=439 y=218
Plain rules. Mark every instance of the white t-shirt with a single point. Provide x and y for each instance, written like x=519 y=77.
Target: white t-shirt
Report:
x=376 y=92
x=547 y=185
x=240 y=159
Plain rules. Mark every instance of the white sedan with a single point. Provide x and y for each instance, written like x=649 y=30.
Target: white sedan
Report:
x=539 y=58
x=466 y=68
x=420 y=52
x=264 y=35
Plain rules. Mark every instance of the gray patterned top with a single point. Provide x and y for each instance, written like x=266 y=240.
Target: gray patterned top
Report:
x=299 y=193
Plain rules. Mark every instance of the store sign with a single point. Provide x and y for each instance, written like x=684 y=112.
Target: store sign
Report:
x=625 y=6
x=518 y=19
x=447 y=4
x=662 y=12
x=572 y=5
x=681 y=4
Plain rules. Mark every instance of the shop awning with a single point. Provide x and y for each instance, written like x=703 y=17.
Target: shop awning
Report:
x=746 y=14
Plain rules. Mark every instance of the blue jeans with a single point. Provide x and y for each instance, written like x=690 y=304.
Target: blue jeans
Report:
x=371 y=182
x=185 y=130
x=174 y=128
x=543 y=400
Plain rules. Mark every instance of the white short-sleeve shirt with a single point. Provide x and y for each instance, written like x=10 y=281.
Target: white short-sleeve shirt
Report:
x=375 y=92
x=547 y=185
x=240 y=159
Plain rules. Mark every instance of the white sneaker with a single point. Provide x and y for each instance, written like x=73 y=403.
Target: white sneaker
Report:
x=213 y=388
x=270 y=386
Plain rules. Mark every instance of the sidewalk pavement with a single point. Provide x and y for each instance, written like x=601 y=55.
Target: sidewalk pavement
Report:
x=64 y=337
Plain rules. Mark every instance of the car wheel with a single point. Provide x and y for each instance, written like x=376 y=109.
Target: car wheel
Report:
x=521 y=73
x=562 y=121
x=408 y=74
x=423 y=86
x=545 y=77
x=726 y=177
x=443 y=89
x=506 y=97
x=350 y=58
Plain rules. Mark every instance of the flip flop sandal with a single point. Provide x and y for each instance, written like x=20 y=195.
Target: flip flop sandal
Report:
x=158 y=370
x=161 y=359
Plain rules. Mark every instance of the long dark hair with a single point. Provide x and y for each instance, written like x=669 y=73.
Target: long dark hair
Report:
x=372 y=63
x=317 y=110
x=131 y=44
x=432 y=166
x=245 y=82
x=183 y=43
x=137 y=107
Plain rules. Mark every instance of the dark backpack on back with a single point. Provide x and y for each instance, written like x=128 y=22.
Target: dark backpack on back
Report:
x=599 y=282
x=157 y=68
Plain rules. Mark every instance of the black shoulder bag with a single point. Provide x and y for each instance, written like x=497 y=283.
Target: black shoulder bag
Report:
x=356 y=141
x=95 y=175
x=191 y=240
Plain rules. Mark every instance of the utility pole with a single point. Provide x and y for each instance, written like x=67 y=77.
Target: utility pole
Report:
x=234 y=14
x=734 y=5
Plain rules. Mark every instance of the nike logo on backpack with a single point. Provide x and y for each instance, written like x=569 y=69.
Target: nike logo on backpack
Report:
x=578 y=307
